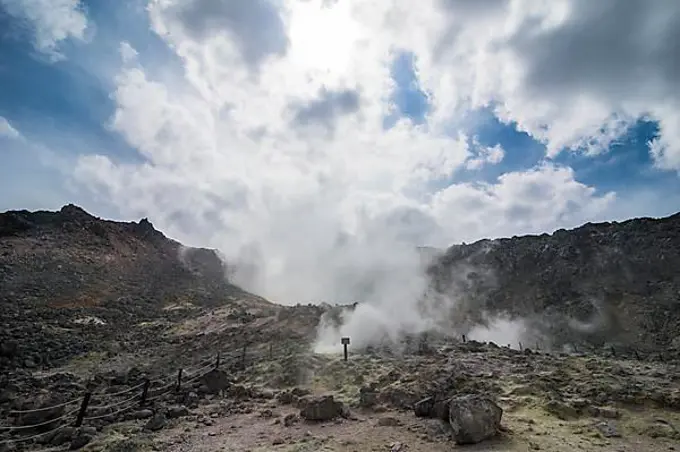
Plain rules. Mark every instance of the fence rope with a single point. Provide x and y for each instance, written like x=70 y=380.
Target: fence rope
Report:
x=28 y=438
x=25 y=427
x=102 y=416
x=161 y=391
x=158 y=396
x=116 y=394
x=112 y=405
x=37 y=410
x=198 y=371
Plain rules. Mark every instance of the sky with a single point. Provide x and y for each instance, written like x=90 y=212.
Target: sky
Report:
x=324 y=139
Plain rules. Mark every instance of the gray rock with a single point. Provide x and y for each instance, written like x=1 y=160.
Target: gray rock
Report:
x=290 y=419
x=156 y=423
x=88 y=430
x=368 y=397
x=474 y=418
x=40 y=417
x=177 y=411
x=432 y=408
x=397 y=447
x=191 y=399
x=608 y=429
x=285 y=398
x=322 y=408
x=63 y=436
x=80 y=441
x=8 y=447
x=142 y=414
x=423 y=408
x=609 y=413
x=215 y=381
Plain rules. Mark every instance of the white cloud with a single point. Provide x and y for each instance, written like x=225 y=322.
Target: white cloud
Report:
x=6 y=129
x=52 y=21
x=485 y=155
x=572 y=73
x=239 y=154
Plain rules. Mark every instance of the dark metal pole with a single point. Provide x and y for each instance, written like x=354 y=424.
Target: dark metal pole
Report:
x=345 y=342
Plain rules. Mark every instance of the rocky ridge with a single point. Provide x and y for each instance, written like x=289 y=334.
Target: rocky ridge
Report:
x=593 y=286
x=72 y=284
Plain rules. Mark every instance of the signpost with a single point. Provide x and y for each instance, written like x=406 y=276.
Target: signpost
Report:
x=345 y=342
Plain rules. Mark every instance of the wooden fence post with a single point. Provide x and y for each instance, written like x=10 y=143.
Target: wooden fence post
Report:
x=179 y=380
x=243 y=355
x=83 y=409
x=217 y=361
x=145 y=391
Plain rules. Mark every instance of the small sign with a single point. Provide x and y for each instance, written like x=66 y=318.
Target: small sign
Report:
x=344 y=341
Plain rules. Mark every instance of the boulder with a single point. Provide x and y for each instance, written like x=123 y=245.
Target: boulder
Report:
x=473 y=418
x=177 y=411
x=433 y=408
x=79 y=441
x=368 y=397
x=63 y=436
x=215 y=381
x=424 y=407
x=156 y=423
x=322 y=408
x=142 y=414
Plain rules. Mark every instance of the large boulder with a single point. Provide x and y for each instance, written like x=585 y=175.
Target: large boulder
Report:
x=433 y=408
x=322 y=408
x=216 y=381
x=474 y=418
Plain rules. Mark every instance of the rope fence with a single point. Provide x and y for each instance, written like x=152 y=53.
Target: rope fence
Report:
x=116 y=394
x=144 y=394
x=38 y=410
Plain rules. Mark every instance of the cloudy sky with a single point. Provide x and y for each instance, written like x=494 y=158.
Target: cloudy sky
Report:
x=296 y=128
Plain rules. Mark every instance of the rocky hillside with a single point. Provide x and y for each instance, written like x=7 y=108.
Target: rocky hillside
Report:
x=72 y=283
x=612 y=282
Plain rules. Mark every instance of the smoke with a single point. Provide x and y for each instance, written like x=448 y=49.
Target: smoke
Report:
x=502 y=331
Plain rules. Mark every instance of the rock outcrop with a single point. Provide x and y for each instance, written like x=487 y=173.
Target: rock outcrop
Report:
x=591 y=286
x=72 y=283
x=320 y=409
x=474 y=418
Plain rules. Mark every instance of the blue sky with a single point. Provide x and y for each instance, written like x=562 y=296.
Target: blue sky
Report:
x=63 y=110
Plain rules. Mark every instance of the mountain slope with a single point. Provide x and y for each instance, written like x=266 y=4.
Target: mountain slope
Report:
x=606 y=282
x=78 y=280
